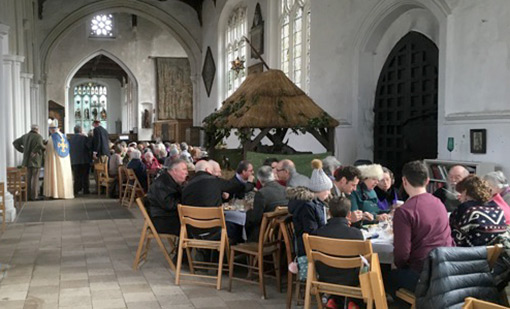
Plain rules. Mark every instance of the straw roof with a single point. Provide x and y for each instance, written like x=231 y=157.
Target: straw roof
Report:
x=270 y=100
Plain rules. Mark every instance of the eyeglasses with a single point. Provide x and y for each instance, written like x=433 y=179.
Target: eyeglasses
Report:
x=280 y=169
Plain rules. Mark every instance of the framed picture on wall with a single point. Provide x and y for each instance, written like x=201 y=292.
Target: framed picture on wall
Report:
x=478 y=140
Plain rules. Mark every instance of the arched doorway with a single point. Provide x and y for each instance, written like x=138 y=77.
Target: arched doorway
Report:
x=405 y=108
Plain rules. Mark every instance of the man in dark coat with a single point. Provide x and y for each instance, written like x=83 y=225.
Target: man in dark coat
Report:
x=164 y=195
x=271 y=194
x=100 y=142
x=242 y=182
x=32 y=147
x=80 y=160
x=338 y=227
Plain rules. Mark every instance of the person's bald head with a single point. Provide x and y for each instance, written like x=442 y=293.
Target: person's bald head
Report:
x=456 y=174
x=215 y=168
x=285 y=169
x=203 y=166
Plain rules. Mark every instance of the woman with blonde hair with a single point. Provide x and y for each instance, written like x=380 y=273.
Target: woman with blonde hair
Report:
x=477 y=221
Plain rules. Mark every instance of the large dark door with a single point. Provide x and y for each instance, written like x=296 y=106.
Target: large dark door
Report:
x=405 y=125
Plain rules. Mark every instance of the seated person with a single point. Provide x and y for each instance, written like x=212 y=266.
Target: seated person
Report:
x=139 y=167
x=447 y=194
x=273 y=162
x=242 y=182
x=330 y=165
x=306 y=204
x=338 y=227
x=286 y=171
x=163 y=196
x=113 y=169
x=271 y=194
x=151 y=163
x=364 y=197
x=419 y=225
x=477 y=221
x=387 y=194
x=207 y=190
x=499 y=190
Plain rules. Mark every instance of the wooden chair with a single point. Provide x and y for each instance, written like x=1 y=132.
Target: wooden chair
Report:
x=148 y=233
x=343 y=254
x=268 y=245
x=473 y=303
x=24 y=183
x=287 y=233
x=103 y=179
x=203 y=218
x=132 y=190
x=493 y=253
x=2 y=204
x=123 y=181
x=14 y=184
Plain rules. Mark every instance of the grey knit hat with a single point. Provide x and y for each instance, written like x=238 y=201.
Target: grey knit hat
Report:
x=319 y=180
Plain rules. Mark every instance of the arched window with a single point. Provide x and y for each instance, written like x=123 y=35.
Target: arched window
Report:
x=90 y=103
x=236 y=47
x=295 y=41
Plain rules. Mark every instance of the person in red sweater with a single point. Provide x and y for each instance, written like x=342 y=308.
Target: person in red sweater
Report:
x=419 y=225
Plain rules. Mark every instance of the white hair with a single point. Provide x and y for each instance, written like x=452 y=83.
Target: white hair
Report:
x=135 y=154
x=496 y=179
x=202 y=166
x=374 y=171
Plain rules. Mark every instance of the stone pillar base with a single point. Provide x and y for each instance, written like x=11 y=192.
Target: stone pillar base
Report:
x=10 y=210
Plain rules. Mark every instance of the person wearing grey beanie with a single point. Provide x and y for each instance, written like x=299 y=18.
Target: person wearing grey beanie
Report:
x=306 y=204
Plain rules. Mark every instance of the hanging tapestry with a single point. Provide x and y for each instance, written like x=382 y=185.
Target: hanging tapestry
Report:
x=175 y=91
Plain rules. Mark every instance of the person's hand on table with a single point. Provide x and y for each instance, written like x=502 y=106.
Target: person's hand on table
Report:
x=382 y=217
x=368 y=216
x=356 y=216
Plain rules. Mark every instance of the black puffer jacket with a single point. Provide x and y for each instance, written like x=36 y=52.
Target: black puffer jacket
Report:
x=450 y=274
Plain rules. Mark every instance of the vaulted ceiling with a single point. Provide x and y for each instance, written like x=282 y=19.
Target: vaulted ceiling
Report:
x=102 y=67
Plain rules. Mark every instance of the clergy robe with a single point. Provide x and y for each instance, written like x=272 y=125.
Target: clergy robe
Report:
x=58 y=177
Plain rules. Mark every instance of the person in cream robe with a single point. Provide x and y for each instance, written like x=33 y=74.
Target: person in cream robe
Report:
x=58 y=177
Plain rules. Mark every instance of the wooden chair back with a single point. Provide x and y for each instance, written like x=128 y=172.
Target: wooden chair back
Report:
x=493 y=253
x=132 y=179
x=269 y=229
x=122 y=177
x=201 y=217
x=344 y=254
x=287 y=233
x=148 y=232
x=473 y=303
x=14 y=184
x=2 y=204
x=24 y=182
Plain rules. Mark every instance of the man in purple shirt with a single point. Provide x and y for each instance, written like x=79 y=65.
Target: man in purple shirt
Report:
x=419 y=226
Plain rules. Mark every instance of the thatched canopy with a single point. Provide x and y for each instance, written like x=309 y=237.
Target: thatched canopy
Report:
x=270 y=100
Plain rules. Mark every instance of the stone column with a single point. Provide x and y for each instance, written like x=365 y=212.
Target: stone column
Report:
x=27 y=96
x=35 y=105
x=12 y=66
x=4 y=116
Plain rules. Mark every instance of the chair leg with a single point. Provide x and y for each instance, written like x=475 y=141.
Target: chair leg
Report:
x=260 y=260
x=132 y=199
x=220 y=266
x=276 y=261
x=231 y=269
x=140 y=246
x=251 y=262
x=308 y=289
x=179 y=261
x=318 y=299
x=190 y=261
x=289 y=289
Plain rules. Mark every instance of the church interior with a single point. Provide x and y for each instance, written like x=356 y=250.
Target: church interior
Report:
x=401 y=80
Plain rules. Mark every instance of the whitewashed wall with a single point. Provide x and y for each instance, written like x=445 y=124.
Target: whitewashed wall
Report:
x=132 y=48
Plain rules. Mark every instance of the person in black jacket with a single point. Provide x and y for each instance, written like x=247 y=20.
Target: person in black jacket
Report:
x=242 y=182
x=164 y=195
x=138 y=167
x=100 y=141
x=338 y=227
x=80 y=160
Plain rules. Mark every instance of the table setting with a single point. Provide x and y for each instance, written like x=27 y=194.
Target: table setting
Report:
x=381 y=236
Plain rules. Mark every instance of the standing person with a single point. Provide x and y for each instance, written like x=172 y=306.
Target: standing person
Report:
x=80 y=160
x=32 y=147
x=100 y=142
x=58 y=178
x=419 y=225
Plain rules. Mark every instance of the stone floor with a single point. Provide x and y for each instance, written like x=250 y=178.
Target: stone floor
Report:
x=79 y=254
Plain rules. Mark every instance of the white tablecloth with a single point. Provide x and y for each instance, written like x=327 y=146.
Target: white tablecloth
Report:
x=237 y=217
x=383 y=247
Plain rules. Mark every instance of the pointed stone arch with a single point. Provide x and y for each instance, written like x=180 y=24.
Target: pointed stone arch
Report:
x=86 y=59
x=378 y=34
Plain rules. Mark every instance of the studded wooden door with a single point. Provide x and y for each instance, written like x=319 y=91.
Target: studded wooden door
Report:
x=405 y=124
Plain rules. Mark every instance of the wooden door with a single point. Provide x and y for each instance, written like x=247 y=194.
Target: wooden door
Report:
x=405 y=124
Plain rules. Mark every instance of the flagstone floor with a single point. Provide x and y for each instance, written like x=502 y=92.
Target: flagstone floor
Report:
x=79 y=253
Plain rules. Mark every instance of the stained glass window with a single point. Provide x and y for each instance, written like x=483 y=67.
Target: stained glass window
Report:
x=102 y=26
x=295 y=41
x=90 y=103
x=235 y=47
